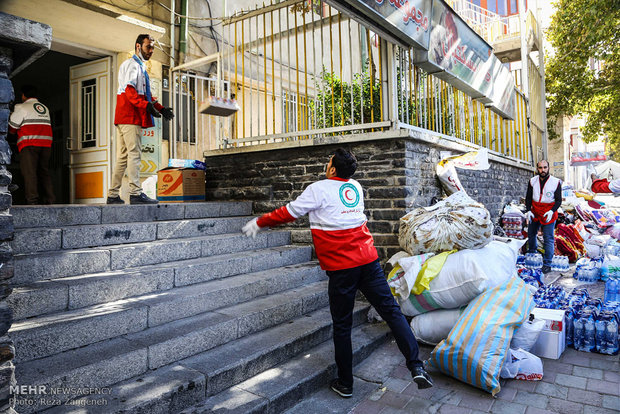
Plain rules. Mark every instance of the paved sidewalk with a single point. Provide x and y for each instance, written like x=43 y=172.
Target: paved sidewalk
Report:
x=577 y=383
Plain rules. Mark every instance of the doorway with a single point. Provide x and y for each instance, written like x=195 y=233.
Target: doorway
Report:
x=50 y=75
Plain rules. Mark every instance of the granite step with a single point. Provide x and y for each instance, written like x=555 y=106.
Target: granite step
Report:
x=73 y=215
x=74 y=292
x=185 y=382
x=50 y=334
x=33 y=267
x=281 y=387
x=96 y=235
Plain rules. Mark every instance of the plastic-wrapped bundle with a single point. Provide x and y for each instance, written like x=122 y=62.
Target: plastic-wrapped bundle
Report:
x=458 y=222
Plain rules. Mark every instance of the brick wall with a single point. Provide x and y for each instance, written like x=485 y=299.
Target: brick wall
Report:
x=397 y=175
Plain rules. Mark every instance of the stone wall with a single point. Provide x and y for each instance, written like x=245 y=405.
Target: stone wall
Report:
x=397 y=175
x=22 y=41
x=7 y=351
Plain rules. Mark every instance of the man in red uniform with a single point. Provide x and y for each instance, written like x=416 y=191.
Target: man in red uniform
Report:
x=604 y=186
x=135 y=109
x=543 y=199
x=31 y=122
x=346 y=251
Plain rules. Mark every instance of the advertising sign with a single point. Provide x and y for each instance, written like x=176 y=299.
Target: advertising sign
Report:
x=404 y=22
x=502 y=93
x=151 y=140
x=586 y=158
x=455 y=49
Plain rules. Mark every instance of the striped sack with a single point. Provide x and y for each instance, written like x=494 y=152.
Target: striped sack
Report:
x=476 y=346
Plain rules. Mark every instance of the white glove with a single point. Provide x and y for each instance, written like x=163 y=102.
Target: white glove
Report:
x=548 y=215
x=251 y=229
x=529 y=216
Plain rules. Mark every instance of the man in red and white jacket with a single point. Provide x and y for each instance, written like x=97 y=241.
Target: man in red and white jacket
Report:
x=543 y=199
x=346 y=251
x=31 y=122
x=135 y=109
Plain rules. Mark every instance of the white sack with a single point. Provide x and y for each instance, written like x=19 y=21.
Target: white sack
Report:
x=432 y=327
x=458 y=222
x=465 y=275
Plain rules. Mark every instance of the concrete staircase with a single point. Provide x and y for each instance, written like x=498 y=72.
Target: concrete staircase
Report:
x=168 y=308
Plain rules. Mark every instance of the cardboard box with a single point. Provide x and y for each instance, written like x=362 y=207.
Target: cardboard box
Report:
x=178 y=185
x=551 y=342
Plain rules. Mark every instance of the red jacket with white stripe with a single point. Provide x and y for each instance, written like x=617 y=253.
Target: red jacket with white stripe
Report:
x=131 y=96
x=31 y=122
x=335 y=208
x=543 y=199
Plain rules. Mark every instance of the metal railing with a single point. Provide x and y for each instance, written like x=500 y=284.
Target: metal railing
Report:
x=428 y=102
x=193 y=133
x=299 y=72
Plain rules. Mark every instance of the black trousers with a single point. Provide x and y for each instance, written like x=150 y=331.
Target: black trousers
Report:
x=34 y=164
x=370 y=280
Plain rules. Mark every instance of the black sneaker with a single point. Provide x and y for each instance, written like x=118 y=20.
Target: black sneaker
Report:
x=338 y=388
x=546 y=269
x=421 y=377
x=115 y=200
x=141 y=199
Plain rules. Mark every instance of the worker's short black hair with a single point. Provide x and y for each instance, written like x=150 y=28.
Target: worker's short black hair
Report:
x=543 y=160
x=29 y=91
x=140 y=39
x=345 y=163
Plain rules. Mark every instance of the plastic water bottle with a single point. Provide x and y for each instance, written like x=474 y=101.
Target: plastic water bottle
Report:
x=589 y=336
x=600 y=335
x=610 y=294
x=578 y=332
x=611 y=338
x=604 y=271
x=566 y=263
x=570 y=326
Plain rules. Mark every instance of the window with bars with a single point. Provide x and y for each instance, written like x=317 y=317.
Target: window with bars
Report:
x=89 y=112
x=289 y=111
x=187 y=109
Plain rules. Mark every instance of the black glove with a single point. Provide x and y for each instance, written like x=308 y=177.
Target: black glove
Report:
x=151 y=110
x=167 y=113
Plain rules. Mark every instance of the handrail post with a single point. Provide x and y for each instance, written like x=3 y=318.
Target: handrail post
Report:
x=389 y=84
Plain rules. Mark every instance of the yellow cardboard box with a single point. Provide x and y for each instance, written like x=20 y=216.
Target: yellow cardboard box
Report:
x=178 y=185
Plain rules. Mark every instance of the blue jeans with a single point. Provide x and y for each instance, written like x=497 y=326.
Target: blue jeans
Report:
x=370 y=280
x=548 y=240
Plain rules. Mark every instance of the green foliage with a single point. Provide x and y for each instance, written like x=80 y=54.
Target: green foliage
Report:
x=582 y=32
x=328 y=115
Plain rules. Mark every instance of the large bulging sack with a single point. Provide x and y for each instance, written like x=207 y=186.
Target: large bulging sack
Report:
x=432 y=327
x=465 y=275
x=476 y=347
x=458 y=222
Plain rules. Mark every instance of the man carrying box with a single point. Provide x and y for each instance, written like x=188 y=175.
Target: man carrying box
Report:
x=345 y=249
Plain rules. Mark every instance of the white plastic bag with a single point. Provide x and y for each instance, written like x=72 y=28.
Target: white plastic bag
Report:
x=458 y=222
x=432 y=327
x=448 y=178
x=473 y=160
x=522 y=365
x=149 y=186
x=527 y=334
x=373 y=316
